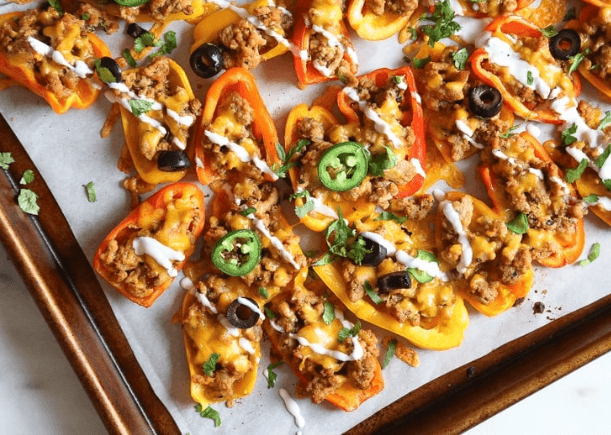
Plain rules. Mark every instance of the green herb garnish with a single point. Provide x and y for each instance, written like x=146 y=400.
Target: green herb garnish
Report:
x=390 y=352
x=5 y=160
x=605 y=121
x=444 y=27
x=129 y=58
x=104 y=73
x=210 y=413
x=593 y=255
x=328 y=314
x=91 y=195
x=306 y=207
x=419 y=63
x=269 y=313
x=263 y=292
x=518 y=224
x=460 y=58
x=573 y=175
x=372 y=294
x=591 y=199
x=27 y=177
x=55 y=4
x=248 y=211
x=167 y=46
x=600 y=160
x=568 y=135
x=550 y=31
x=379 y=163
x=577 y=59
x=27 y=201
x=570 y=14
x=529 y=78
x=210 y=366
x=349 y=332
x=390 y=216
x=287 y=156
x=271 y=376
x=145 y=40
x=140 y=107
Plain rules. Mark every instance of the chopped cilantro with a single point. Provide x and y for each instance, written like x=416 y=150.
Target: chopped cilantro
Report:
x=140 y=107
x=594 y=253
x=573 y=175
x=5 y=160
x=145 y=40
x=104 y=73
x=390 y=216
x=210 y=366
x=419 y=63
x=343 y=242
x=570 y=14
x=577 y=59
x=271 y=376
x=167 y=46
x=328 y=315
x=91 y=195
x=519 y=224
x=372 y=294
x=27 y=177
x=27 y=201
x=269 y=313
x=604 y=123
x=460 y=58
x=210 y=413
x=529 y=78
x=390 y=352
x=129 y=58
x=248 y=211
x=600 y=160
x=263 y=292
x=591 y=199
x=349 y=332
x=413 y=33
x=379 y=163
x=55 y=4
x=550 y=31
x=419 y=275
x=286 y=157
x=568 y=135
x=342 y=78
x=311 y=254
x=398 y=79
x=509 y=132
x=85 y=17
x=306 y=207
x=444 y=27
x=607 y=184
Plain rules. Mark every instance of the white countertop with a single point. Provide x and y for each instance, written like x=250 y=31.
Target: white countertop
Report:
x=40 y=394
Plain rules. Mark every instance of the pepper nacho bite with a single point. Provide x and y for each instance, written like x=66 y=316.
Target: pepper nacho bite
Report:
x=462 y=113
x=493 y=266
x=240 y=36
x=152 y=10
x=489 y=8
x=375 y=20
x=334 y=359
x=52 y=55
x=236 y=137
x=531 y=71
x=390 y=277
x=157 y=110
x=524 y=183
x=143 y=254
x=325 y=51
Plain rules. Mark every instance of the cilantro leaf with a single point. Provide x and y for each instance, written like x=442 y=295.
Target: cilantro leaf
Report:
x=372 y=294
x=167 y=46
x=550 y=31
x=349 y=332
x=573 y=175
x=570 y=14
x=529 y=78
x=419 y=275
x=444 y=27
x=328 y=315
x=419 y=63
x=55 y=4
x=306 y=207
x=210 y=413
x=85 y=17
x=600 y=160
x=210 y=366
x=286 y=157
x=271 y=376
x=27 y=201
x=379 y=163
x=390 y=352
x=104 y=73
x=509 y=132
x=413 y=33
x=248 y=211
x=591 y=199
x=594 y=253
x=263 y=292
x=460 y=58
x=129 y=58
x=343 y=242
x=91 y=195
x=269 y=313
x=390 y=216
x=5 y=160
x=568 y=135
x=145 y=40
x=607 y=184
x=140 y=107
x=519 y=224
x=27 y=177
x=577 y=59
x=325 y=259
x=604 y=123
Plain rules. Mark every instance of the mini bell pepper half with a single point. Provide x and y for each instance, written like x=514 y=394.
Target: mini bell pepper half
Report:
x=471 y=9
x=506 y=294
x=242 y=82
x=200 y=8
x=508 y=28
x=19 y=67
x=137 y=131
x=142 y=255
x=413 y=117
x=571 y=244
x=374 y=27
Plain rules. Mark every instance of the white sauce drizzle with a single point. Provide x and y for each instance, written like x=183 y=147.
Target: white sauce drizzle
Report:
x=501 y=155
x=186 y=120
x=439 y=194
x=414 y=161
x=567 y=111
x=79 y=68
x=253 y=307
x=320 y=206
x=604 y=172
x=467 y=132
x=231 y=330
x=604 y=202
x=454 y=218
x=246 y=345
x=162 y=254
x=379 y=124
x=401 y=83
x=533 y=130
x=202 y=299
x=335 y=42
x=241 y=152
x=380 y=240
x=292 y=408
x=471 y=28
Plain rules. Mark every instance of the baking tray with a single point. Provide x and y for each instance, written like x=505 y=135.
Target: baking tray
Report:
x=65 y=288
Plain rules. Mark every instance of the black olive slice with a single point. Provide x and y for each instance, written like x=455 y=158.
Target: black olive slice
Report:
x=377 y=254
x=485 y=101
x=241 y=315
x=207 y=60
x=111 y=65
x=565 y=44
x=393 y=281
x=173 y=161
x=135 y=31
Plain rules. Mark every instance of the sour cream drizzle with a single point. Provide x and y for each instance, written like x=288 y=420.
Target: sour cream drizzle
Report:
x=241 y=152
x=292 y=408
x=454 y=218
x=162 y=254
x=501 y=155
x=79 y=68
x=246 y=345
x=379 y=124
x=414 y=161
x=603 y=201
x=253 y=307
x=320 y=207
x=467 y=133
x=604 y=172
x=567 y=111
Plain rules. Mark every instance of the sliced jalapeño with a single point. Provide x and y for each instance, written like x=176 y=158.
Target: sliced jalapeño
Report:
x=343 y=166
x=237 y=252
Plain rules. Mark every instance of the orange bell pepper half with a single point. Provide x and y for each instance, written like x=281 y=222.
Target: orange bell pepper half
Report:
x=519 y=27
x=507 y=294
x=174 y=218
x=374 y=27
x=241 y=81
x=572 y=244
x=413 y=116
x=19 y=68
x=200 y=8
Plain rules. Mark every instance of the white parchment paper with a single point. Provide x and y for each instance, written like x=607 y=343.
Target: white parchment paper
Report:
x=69 y=153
